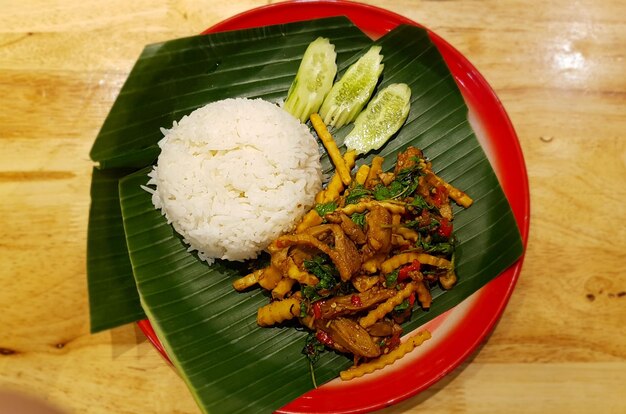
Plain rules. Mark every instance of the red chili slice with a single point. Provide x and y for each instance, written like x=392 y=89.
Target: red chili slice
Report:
x=324 y=338
x=412 y=299
x=404 y=272
x=445 y=228
x=356 y=300
x=439 y=196
x=317 y=309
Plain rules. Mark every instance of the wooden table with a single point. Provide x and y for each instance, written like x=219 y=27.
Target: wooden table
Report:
x=559 y=68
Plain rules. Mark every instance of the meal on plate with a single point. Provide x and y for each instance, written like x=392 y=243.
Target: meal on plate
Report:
x=348 y=262
x=316 y=175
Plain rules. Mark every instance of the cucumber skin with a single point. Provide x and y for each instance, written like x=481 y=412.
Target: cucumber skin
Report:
x=337 y=111
x=302 y=99
x=371 y=130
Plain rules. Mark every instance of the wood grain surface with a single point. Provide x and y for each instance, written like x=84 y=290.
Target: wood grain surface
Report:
x=559 y=68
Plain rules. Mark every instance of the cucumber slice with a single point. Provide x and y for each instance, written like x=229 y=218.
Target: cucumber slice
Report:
x=313 y=81
x=382 y=118
x=350 y=94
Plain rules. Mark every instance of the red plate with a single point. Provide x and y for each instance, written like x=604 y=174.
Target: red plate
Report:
x=458 y=332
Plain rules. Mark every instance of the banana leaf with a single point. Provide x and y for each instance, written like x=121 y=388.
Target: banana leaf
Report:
x=210 y=331
x=113 y=298
x=168 y=81
x=173 y=78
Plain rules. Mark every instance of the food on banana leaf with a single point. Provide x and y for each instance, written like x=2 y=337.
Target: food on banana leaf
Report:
x=362 y=259
x=235 y=177
x=349 y=95
x=382 y=118
x=190 y=303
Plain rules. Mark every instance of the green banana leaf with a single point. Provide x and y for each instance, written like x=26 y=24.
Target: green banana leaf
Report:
x=173 y=78
x=168 y=81
x=113 y=298
x=209 y=330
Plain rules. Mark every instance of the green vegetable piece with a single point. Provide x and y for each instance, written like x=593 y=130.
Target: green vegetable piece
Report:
x=382 y=118
x=402 y=307
x=420 y=203
x=313 y=81
x=323 y=270
x=358 y=219
x=325 y=208
x=313 y=348
x=391 y=278
x=356 y=193
x=349 y=95
x=381 y=193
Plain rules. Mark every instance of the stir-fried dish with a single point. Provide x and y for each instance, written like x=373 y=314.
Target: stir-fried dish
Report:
x=359 y=262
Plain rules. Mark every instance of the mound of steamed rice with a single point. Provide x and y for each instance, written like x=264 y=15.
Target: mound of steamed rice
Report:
x=234 y=175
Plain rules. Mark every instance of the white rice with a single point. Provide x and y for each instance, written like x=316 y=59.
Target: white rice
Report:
x=234 y=175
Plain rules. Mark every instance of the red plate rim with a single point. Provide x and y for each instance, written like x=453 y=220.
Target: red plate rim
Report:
x=485 y=307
